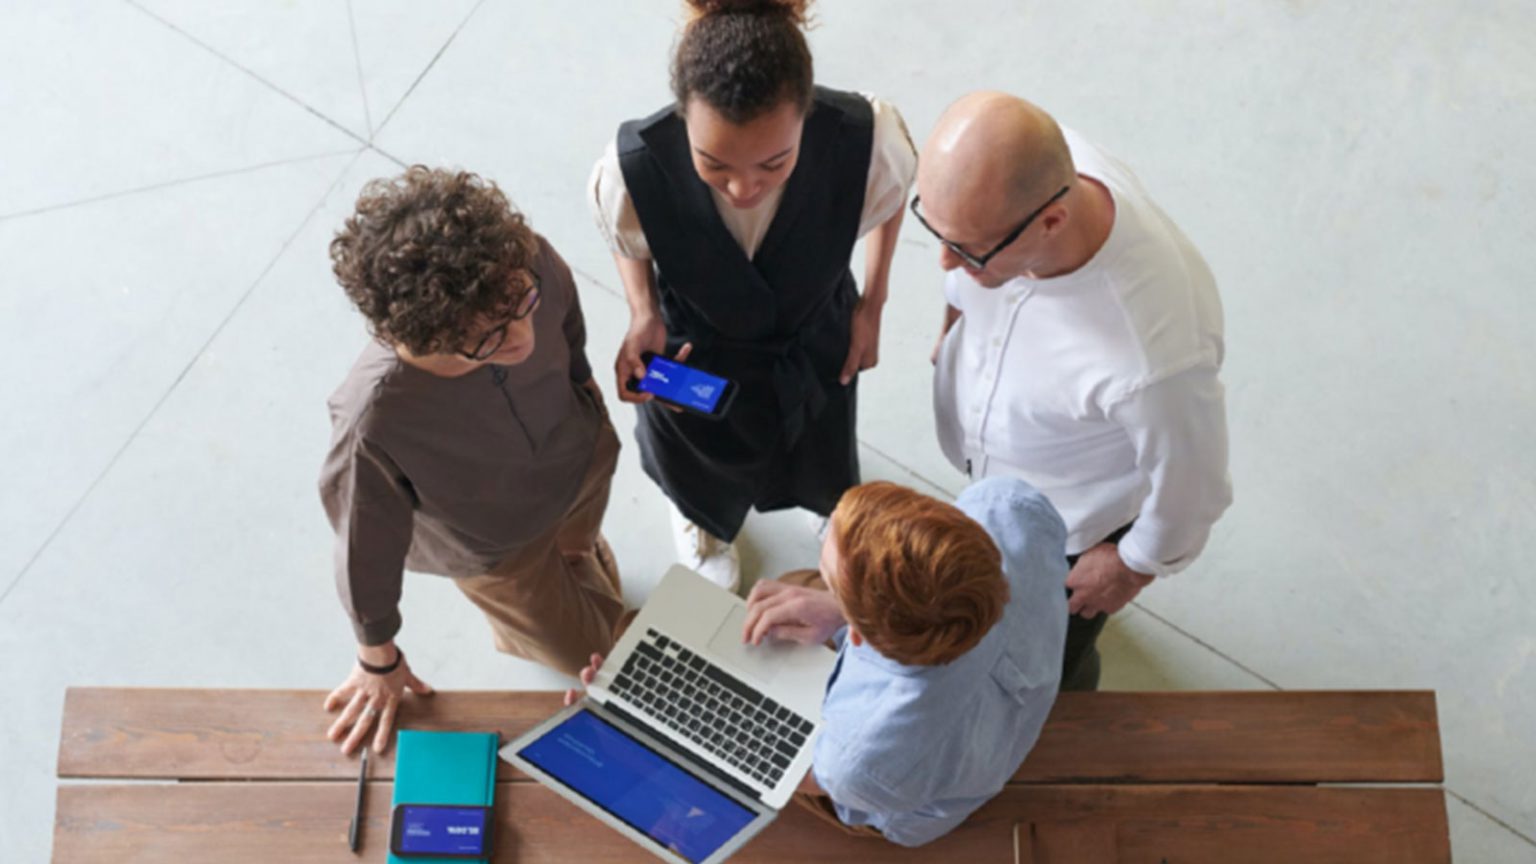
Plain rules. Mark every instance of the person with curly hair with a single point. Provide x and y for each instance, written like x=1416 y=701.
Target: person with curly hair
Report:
x=469 y=439
x=732 y=215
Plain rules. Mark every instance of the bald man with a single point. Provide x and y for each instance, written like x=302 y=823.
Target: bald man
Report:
x=1081 y=348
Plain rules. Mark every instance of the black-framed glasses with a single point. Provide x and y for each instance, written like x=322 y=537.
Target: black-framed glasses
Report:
x=522 y=307
x=980 y=262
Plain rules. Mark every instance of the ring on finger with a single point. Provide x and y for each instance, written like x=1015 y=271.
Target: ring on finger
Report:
x=370 y=712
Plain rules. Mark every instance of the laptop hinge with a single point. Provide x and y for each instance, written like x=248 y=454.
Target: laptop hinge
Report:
x=692 y=758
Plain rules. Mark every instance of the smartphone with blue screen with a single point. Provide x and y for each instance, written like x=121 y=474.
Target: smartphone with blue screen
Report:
x=441 y=831
x=685 y=387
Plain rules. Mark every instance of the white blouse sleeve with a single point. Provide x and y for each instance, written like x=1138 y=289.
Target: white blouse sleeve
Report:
x=892 y=165
x=611 y=207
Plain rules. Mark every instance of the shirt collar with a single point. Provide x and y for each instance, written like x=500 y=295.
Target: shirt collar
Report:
x=867 y=655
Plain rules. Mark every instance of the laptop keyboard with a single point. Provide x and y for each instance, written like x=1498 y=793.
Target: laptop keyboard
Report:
x=712 y=708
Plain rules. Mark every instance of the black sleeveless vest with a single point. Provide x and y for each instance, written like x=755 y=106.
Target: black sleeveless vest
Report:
x=777 y=324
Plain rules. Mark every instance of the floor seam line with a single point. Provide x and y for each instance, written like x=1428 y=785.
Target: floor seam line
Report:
x=1273 y=685
x=387 y=155
x=159 y=403
x=357 y=60
x=903 y=466
x=264 y=82
x=183 y=181
x=426 y=71
x=595 y=281
x=1492 y=818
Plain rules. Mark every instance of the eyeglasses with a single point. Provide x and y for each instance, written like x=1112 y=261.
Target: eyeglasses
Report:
x=979 y=263
x=522 y=306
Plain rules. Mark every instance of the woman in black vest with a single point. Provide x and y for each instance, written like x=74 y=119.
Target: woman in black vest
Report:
x=732 y=215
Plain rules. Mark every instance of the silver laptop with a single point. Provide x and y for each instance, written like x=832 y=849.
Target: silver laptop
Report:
x=688 y=742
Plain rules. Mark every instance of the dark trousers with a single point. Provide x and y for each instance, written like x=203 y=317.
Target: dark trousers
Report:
x=1080 y=662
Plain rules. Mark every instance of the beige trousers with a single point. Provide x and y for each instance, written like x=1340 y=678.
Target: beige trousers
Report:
x=557 y=600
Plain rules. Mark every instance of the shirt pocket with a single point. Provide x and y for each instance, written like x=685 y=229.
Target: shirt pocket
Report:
x=1015 y=681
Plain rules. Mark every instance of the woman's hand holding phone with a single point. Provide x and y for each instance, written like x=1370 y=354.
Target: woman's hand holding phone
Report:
x=647 y=335
x=631 y=364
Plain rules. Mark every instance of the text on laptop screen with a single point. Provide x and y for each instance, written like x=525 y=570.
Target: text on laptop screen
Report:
x=685 y=386
x=635 y=784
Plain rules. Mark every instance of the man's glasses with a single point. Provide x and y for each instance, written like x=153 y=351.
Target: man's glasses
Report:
x=979 y=263
x=522 y=307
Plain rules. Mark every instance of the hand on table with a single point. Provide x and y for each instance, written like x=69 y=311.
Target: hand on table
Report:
x=1102 y=584
x=586 y=677
x=370 y=700
x=790 y=612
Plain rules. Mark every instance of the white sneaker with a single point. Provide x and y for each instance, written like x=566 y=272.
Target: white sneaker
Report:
x=706 y=554
x=819 y=525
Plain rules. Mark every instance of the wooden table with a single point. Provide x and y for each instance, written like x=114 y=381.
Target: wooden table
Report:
x=1181 y=778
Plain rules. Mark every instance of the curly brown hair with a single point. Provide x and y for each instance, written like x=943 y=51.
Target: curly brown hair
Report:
x=922 y=581
x=429 y=256
x=744 y=57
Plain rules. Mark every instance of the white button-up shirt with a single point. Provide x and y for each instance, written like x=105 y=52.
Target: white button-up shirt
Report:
x=1099 y=387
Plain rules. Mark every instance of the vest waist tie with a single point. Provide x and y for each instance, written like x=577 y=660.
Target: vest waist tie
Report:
x=796 y=385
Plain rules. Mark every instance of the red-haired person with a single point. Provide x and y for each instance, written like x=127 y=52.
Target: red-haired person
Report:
x=732 y=215
x=949 y=622
x=469 y=439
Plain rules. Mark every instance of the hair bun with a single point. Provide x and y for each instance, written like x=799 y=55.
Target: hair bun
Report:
x=795 y=10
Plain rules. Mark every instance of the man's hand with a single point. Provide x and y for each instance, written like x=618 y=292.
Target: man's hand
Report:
x=1102 y=584
x=789 y=612
x=863 y=341
x=369 y=698
x=586 y=677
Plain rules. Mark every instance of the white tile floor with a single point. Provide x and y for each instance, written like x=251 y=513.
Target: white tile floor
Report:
x=170 y=172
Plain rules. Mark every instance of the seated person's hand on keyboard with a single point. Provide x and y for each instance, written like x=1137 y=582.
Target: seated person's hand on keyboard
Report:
x=586 y=677
x=790 y=613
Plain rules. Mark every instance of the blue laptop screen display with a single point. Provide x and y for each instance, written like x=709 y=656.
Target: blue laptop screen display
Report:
x=685 y=386
x=630 y=781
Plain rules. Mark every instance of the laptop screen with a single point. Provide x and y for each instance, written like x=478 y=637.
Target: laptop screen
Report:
x=635 y=784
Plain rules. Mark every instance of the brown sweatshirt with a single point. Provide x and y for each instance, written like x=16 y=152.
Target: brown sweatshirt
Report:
x=451 y=475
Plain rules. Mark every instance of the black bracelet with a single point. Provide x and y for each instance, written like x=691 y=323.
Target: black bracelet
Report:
x=382 y=670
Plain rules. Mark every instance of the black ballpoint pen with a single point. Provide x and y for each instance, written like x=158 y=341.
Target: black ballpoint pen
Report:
x=357 y=817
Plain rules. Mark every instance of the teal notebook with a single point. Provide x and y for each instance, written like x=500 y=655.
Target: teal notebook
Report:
x=444 y=768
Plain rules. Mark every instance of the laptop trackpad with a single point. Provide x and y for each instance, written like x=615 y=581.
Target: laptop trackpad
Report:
x=763 y=662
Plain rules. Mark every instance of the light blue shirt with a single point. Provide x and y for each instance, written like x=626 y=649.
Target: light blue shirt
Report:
x=914 y=750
